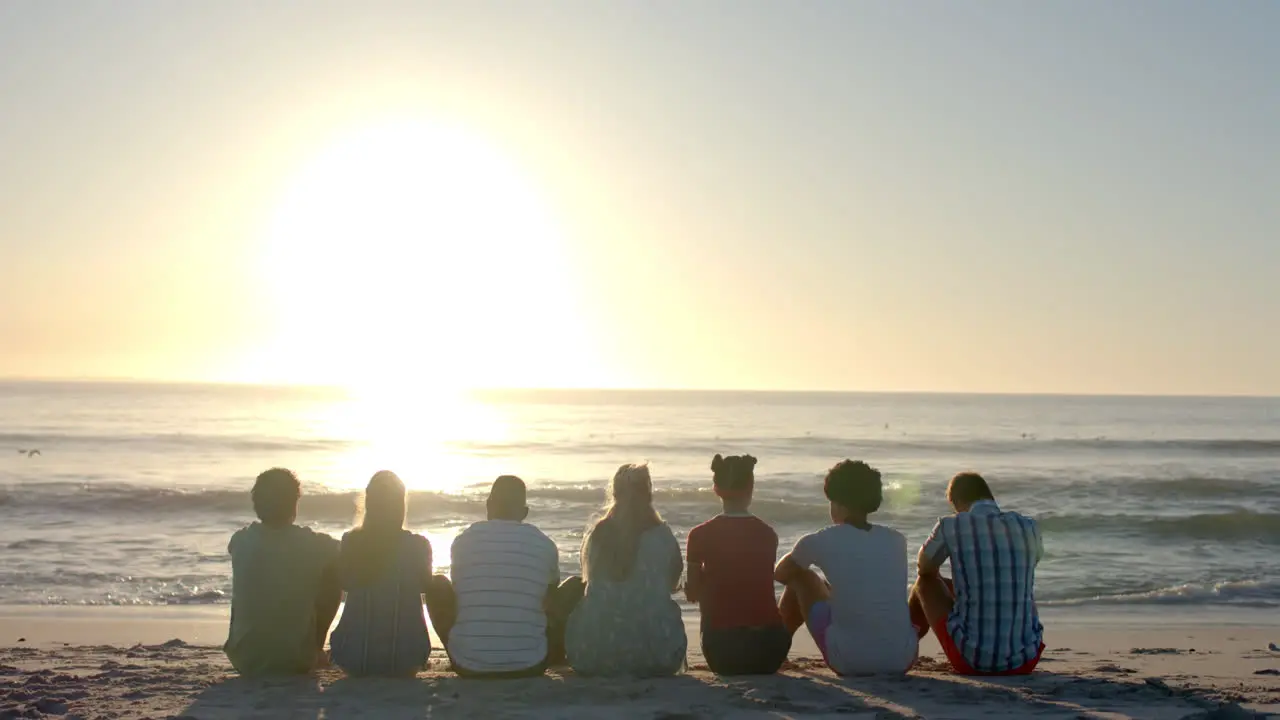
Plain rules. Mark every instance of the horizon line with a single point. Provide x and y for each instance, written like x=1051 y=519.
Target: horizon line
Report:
x=335 y=387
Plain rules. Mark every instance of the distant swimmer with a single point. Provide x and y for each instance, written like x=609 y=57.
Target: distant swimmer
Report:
x=29 y=453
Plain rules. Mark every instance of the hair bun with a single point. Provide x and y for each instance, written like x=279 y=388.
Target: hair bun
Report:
x=717 y=463
x=749 y=460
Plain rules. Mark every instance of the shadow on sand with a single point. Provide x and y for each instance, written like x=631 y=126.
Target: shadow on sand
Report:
x=804 y=691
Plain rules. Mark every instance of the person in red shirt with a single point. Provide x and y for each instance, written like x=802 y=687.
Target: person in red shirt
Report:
x=730 y=561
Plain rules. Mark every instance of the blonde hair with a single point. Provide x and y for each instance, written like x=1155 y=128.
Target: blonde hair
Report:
x=613 y=541
x=380 y=516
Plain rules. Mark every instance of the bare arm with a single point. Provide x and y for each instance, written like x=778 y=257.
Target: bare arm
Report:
x=328 y=599
x=787 y=569
x=331 y=584
x=798 y=560
x=693 y=583
x=428 y=565
x=925 y=564
x=677 y=569
x=553 y=576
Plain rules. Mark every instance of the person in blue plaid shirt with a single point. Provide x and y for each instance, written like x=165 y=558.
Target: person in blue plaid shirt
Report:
x=985 y=617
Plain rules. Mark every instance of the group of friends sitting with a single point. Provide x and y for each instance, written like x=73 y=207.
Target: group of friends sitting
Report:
x=504 y=611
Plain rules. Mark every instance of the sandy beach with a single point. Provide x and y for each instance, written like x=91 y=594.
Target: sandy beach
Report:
x=165 y=663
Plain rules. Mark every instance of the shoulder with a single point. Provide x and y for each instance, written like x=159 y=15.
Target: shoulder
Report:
x=323 y=541
x=475 y=529
x=703 y=528
x=661 y=532
x=821 y=535
x=892 y=535
x=889 y=530
x=1028 y=523
x=242 y=536
x=811 y=548
x=764 y=528
x=469 y=536
x=536 y=535
x=307 y=540
x=809 y=541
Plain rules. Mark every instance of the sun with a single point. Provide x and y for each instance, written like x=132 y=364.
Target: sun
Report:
x=414 y=255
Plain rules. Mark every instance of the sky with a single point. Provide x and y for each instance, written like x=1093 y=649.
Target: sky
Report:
x=1063 y=197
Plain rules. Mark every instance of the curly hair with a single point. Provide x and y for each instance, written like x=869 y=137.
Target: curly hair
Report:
x=855 y=486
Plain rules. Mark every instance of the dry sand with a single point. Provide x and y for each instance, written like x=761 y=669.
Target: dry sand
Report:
x=85 y=664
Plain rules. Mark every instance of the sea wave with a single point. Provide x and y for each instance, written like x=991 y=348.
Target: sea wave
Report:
x=1240 y=593
x=603 y=444
x=83 y=587
x=127 y=500
x=1254 y=593
x=1240 y=525
x=1171 y=488
x=684 y=505
x=52 y=443
x=832 y=446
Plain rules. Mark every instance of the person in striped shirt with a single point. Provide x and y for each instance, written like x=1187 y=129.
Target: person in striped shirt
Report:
x=985 y=617
x=503 y=612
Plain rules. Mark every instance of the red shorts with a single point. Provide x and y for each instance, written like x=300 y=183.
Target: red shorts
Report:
x=962 y=666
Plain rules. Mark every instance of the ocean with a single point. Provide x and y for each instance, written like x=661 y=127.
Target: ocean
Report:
x=137 y=487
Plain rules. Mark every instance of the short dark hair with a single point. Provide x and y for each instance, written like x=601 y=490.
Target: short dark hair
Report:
x=508 y=495
x=854 y=485
x=275 y=495
x=733 y=473
x=968 y=488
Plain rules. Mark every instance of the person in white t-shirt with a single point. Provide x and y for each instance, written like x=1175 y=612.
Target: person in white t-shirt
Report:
x=859 y=615
x=503 y=612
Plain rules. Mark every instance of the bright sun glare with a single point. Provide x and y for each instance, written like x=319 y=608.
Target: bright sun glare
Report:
x=414 y=257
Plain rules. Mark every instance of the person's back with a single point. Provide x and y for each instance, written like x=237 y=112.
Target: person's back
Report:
x=627 y=622
x=867 y=569
x=385 y=570
x=730 y=566
x=277 y=574
x=736 y=554
x=501 y=572
x=284 y=586
x=985 y=617
x=994 y=622
x=631 y=626
x=859 y=615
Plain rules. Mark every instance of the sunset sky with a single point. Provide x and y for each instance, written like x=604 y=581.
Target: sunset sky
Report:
x=987 y=197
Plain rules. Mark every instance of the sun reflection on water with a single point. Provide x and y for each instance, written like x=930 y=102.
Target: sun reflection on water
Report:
x=419 y=435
